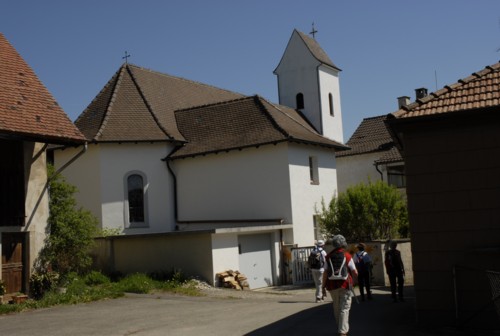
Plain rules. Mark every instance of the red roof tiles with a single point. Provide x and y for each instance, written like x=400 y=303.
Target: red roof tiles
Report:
x=480 y=90
x=27 y=109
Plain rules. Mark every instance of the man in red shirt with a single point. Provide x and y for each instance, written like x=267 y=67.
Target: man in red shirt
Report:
x=339 y=278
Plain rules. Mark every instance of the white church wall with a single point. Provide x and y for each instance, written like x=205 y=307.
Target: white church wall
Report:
x=247 y=184
x=100 y=174
x=329 y=84
x=306 y=197
x=116 y=164
x=355 y=169
x=84 y=174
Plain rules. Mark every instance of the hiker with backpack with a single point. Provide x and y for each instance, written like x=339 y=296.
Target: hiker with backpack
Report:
x=316 y=261
x=339 y=278
x=363 y=263
x=395 y=270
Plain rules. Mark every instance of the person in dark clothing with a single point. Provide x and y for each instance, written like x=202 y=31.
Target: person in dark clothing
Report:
x=363 y=263
x=396 y=271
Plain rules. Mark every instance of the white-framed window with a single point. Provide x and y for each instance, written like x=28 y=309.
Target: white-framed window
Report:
x=396 y=176
x=317 y=228
x=136 y=213
x=313 y=170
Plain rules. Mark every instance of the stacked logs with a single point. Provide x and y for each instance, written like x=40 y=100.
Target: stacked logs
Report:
x=233 y=279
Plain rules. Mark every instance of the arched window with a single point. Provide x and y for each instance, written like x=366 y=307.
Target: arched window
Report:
x=300 y=101
x=330 y=101
x=135 y=197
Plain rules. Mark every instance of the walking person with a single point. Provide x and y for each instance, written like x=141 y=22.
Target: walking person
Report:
x=363 y=263
x=316 y=261
x=396 y=271
x=339 y=278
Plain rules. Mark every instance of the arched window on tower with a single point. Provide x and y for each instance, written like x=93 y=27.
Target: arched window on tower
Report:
x=330 y=102
x=300 y=101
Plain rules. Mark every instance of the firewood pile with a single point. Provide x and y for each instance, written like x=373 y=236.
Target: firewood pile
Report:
x=233 y=279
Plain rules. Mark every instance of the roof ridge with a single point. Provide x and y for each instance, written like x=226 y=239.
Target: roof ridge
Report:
x=109 y=105
x=224 y=102
x=278 y=108
x=258 y=99
x=179 y=78
x=148 y=105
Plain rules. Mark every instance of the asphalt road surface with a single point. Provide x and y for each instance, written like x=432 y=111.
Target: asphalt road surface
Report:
x=274 y=311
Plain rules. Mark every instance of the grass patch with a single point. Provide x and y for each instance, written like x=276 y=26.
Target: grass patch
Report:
x=96 y=286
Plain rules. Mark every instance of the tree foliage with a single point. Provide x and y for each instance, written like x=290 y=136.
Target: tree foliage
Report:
x=71 y=230
x=366 y=212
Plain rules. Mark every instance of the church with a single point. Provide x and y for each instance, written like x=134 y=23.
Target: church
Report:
x=183 y=175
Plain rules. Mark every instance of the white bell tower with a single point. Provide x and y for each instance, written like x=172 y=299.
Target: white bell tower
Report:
x=309 y=81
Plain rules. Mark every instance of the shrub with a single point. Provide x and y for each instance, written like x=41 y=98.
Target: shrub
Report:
x=40 y=283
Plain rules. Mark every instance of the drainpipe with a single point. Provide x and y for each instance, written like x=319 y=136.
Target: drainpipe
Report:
x=167 y=161
x=381 y=174
x=73 y=159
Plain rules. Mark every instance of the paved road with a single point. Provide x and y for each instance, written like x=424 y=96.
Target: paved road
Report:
x=277 y=311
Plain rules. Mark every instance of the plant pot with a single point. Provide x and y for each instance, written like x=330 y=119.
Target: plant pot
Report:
x=17 y=299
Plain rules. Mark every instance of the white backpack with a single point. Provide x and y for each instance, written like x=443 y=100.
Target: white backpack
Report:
x=337 y=268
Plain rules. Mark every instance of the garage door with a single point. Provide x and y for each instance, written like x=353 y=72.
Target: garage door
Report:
x=255 y=259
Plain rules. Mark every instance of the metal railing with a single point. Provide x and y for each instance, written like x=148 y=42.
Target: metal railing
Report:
x=301 y=274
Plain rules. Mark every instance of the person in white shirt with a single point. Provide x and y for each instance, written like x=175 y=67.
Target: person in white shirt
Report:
x=318 y=269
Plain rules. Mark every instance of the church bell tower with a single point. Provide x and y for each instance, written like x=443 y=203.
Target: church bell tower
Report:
x=309 y=82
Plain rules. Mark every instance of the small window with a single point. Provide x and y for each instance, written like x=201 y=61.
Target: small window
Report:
x=330 y=102
x=136 y=200
x=396 y=176
x=313 y=170
x=300 y=101
x=317 y=228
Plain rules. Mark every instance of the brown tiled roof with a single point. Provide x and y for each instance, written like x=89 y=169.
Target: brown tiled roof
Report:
x=372 y=136
x=316 y=50
x=241 y=123
x=138 y=104
x=27 y=109
x=480 y=90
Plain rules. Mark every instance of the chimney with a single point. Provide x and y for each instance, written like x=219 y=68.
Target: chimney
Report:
x=420 y=93
x=403 y=101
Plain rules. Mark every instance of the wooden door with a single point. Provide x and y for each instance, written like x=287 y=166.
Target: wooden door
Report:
x=12 y=261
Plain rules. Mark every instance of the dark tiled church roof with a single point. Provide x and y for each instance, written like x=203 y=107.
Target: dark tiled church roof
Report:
x=242 y=123
x=372 y=136
x=316 y=50
x=138 y=104
x=28 y=111
x=480 y=90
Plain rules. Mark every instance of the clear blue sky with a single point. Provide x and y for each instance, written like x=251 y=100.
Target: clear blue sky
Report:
x=386 y=48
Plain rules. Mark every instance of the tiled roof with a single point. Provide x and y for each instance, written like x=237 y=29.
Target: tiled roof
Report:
x=316 y=50
x=241 y=123
x=372 y=136
x=480 y=90
x=138 y=104
x=27 y=109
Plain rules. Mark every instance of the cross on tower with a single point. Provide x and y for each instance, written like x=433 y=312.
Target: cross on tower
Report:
x=127 y=55
x=313 y=31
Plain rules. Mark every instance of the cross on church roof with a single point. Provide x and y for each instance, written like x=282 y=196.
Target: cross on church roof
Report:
x=313 y=31
x=127 y=55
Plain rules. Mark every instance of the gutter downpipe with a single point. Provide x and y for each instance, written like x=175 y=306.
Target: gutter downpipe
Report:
x=381 y=174
x=167 y=161
x=73 y=159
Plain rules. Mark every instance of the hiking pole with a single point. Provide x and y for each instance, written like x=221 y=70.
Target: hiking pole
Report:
x=353 y=293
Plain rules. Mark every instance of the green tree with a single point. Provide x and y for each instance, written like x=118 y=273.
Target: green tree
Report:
x=71 y=230
x=366 y=212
